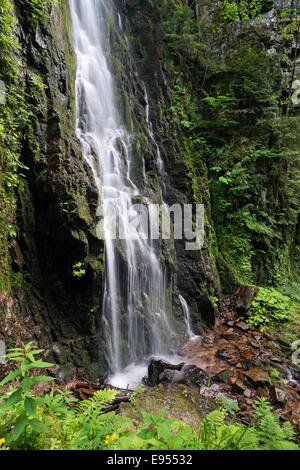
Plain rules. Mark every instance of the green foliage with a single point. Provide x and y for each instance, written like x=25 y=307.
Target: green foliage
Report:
x=228 y=111
x=141 y=389
x=273 y=376
x=18 y=410
x=217 y=432
x=57 y=421
x=34 y=11
x=78 y=270
x=290 y=29
x=7 y=41
x=229 y=405
x=271 y=435
x=182 y=30
x=240 y=10
x=270 y=307
x=17 y=116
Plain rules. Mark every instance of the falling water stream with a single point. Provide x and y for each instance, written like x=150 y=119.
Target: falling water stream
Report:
x=137 y=305
x=187 y=318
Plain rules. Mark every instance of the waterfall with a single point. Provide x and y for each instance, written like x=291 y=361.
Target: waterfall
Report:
x=187 y=318
x=137 y=304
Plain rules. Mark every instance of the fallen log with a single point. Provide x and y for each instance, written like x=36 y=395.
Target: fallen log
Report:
x=119 y=400
x=110 y=408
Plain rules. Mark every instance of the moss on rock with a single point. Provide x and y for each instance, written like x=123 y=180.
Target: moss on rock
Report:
x=181 y=403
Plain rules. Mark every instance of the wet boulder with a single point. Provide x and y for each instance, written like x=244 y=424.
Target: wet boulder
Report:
x=156 y=369
x=192 y=376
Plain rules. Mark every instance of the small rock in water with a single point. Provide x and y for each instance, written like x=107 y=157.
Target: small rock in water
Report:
x=208 y=339
x=209 y=392
x=249 y=402
x=222 y=354
x=192 y=376
x=156 y=368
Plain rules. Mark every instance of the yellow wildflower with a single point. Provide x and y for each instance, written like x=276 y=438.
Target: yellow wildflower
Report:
x=2 y=441
x=106 y=440
x=113 y=437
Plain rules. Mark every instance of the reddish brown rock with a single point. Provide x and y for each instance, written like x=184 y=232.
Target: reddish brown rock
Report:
x=242 y=325
x=238 y=386
x=258 y=376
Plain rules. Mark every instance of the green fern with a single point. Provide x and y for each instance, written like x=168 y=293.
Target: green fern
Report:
x=271 y=435
x=94 y=405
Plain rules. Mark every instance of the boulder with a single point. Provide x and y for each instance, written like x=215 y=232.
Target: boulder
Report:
x=192 y=376
x=258 y=376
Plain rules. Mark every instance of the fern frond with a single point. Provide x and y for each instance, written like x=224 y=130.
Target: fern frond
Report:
x=100 y=400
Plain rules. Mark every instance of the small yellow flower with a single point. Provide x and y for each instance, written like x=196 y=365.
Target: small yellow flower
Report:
x=2 y=441
x=294 y=421
x=113 y=437
x=106 y=440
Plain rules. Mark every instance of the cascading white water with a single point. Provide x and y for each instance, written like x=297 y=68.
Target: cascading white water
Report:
x=137 y=308
x=187 y=318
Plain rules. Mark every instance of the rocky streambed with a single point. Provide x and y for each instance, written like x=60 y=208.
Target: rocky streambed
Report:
x=240 y=363
x=231 y=361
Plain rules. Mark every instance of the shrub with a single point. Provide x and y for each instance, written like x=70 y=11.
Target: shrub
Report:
x=270 y=307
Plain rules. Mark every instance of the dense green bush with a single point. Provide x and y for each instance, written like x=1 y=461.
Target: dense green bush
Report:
x=270 y=307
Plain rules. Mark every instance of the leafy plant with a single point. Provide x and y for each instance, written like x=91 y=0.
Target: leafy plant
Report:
x=140 y=390
x=240 y=10
x=270 y=306
x=271 y=435
x=78 y=270
x=18 y=410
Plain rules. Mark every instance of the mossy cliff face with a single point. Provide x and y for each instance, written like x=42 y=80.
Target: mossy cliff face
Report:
x=53 y=210
x=223 y=89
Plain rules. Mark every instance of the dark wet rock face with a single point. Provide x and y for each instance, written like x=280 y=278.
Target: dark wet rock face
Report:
x=56 y=213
